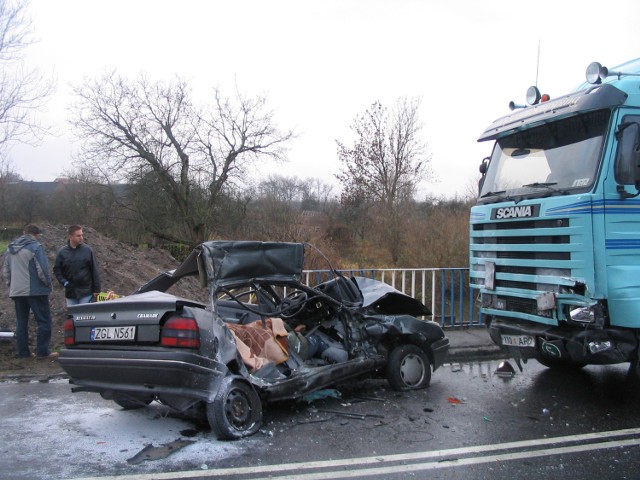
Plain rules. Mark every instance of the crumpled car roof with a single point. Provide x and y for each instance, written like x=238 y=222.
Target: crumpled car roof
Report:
x=223 y=263
x=230 y=262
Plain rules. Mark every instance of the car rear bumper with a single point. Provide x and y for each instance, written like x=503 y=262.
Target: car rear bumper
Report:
x=150 y=372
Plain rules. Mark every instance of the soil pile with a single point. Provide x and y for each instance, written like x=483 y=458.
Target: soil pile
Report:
x=123 y=268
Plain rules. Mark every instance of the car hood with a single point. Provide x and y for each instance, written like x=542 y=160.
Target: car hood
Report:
x=381 y=298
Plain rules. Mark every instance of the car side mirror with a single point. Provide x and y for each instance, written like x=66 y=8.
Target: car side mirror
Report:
x=627 y=161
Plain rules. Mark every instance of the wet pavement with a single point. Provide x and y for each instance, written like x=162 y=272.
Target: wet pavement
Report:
x=472 y=422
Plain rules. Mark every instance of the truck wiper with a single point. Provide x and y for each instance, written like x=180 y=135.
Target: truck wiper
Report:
x=540 y=184
x=549 y=186
x=493 y=194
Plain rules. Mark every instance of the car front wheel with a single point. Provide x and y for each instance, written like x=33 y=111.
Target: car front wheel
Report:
x=236 y=410
x=408 y=368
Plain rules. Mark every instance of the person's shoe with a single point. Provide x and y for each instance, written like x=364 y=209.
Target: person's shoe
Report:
x=51 y=356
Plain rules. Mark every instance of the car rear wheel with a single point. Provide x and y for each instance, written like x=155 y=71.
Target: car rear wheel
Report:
x=408 y=368
x=236 y=410
x=130 y=401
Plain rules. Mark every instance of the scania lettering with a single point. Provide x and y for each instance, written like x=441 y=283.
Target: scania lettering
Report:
x=555 y=233
x=514 y=212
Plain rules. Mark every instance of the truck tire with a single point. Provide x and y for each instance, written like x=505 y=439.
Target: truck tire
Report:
x=408 y=368
x=236 y=410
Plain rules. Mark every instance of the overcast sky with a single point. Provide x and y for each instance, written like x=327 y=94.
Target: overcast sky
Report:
x=322 y=63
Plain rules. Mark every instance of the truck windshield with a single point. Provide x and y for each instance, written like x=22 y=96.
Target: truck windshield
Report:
x=555 y=158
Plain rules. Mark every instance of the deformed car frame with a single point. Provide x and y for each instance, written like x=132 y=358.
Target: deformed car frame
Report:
x=264 y=336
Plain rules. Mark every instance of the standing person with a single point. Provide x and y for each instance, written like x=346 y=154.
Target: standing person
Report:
x=26 y=271
x=76 y=268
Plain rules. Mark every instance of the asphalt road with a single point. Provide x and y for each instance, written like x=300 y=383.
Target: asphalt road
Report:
x=470 y=423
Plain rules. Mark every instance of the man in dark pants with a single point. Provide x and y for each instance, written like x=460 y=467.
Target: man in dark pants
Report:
x=26 y=271
x=76 y=268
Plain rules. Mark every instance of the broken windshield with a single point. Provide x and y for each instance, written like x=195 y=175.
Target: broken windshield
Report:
x=555 y=158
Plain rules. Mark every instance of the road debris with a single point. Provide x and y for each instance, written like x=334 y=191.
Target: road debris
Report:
x=505 y=370
x=150 y=452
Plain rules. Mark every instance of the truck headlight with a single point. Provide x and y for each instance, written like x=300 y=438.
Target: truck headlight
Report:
x=597 y=347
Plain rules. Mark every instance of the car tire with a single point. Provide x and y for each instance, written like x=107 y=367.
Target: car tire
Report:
x=557 y=363
x=236 y=410
x=408 y=368
x=131 y=401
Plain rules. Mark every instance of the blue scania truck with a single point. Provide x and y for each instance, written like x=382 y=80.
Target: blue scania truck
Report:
x=555 y=233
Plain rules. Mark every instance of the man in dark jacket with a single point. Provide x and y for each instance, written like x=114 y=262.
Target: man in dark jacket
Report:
x=76 y=268
x=26 y=272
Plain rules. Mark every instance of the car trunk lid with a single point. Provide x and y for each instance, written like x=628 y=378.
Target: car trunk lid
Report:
x=134 y=319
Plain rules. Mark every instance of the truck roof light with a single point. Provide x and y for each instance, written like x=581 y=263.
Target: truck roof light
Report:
x=596 y=73
x=545 y=98
x=533 y=96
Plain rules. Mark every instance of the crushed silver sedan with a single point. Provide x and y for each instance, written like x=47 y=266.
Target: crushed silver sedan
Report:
x=263 y=336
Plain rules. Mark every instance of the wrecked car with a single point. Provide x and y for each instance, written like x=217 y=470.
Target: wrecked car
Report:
x=263 y=336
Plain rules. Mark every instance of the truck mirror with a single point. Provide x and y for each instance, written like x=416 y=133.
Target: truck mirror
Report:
x=627 y=162
x=484 y=166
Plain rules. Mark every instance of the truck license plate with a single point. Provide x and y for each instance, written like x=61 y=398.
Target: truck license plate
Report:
x=518 y=341
x=102 y=334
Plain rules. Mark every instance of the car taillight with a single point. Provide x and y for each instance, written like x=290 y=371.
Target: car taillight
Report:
x=180 y=332
x=69 y=332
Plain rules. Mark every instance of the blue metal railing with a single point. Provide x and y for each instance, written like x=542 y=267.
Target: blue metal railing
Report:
x=445 y=290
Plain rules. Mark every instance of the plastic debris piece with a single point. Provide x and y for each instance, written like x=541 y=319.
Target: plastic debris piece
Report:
x=320 y=394
x=486 y=419
x=505 y=370
x=156 y=453
x=454 y=400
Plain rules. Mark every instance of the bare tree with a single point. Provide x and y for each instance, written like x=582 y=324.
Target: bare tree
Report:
x=8 y=177
x=381 y=170
x=152 y=134
x=22 y=90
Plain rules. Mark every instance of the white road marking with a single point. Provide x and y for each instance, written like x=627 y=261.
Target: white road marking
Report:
x=447 y=459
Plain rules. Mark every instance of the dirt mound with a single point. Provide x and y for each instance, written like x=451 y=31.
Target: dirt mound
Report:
x=123 y=268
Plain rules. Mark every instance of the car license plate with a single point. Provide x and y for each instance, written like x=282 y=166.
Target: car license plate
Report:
x=102 y=334
x=518 y=341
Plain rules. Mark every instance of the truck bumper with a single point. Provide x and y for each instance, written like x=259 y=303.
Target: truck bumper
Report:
x=566 y=342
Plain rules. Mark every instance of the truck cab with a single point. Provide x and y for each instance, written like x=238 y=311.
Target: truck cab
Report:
x=555 y=233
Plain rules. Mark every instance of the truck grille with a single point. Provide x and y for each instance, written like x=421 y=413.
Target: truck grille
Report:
x=528 y=254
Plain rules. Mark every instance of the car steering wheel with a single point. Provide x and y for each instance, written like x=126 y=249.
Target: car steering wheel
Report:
x=293 y=304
